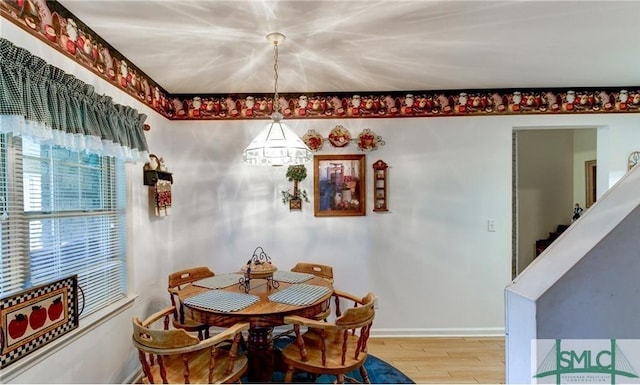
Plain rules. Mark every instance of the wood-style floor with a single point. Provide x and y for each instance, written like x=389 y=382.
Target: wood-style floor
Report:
x=442 y=360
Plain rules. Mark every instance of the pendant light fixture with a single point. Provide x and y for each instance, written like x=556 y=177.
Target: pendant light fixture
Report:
x=277 y=144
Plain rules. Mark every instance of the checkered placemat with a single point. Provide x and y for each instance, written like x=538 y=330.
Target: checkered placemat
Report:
x=291 y=276
x=218 y=281
x=220 y=300
x=299 y=295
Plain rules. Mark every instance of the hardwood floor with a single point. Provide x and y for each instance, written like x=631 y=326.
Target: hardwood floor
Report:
x=442 y=360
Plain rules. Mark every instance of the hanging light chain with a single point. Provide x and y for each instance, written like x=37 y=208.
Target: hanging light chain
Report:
x=276 y=144
x=276 y=107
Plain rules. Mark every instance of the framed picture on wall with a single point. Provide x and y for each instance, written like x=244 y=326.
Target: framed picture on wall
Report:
x=32 y=318
x=339 y=185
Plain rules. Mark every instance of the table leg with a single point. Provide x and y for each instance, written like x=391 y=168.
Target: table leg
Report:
x=260 y=354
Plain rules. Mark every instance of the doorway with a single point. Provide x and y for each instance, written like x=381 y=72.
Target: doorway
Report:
x=548 y=179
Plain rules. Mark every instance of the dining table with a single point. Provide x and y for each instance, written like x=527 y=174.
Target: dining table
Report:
x=225 y=299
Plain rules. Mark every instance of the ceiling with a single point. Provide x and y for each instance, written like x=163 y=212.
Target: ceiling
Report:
x=200 y=47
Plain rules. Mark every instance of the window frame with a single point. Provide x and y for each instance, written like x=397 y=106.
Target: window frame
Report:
x=112 y=176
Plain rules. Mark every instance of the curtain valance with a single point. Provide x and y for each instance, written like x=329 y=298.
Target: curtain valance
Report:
x=43 y=102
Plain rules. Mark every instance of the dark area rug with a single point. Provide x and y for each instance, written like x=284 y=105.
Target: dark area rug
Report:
x=379 y=371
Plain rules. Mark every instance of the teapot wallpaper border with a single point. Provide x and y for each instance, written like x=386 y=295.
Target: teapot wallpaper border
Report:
x=59 y=28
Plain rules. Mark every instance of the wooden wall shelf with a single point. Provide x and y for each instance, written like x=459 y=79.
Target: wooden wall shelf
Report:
x=151 y=177
x=380 y=186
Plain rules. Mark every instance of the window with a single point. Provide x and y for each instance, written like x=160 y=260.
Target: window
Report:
x=62 y=213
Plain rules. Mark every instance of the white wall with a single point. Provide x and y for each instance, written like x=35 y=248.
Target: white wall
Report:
x=431 y=260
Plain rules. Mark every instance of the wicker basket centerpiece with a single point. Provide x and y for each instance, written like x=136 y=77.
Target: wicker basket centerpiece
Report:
x=259 y=270
x=259 y=266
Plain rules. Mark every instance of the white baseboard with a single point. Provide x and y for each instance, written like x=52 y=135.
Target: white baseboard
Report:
x=424 y=332
x=438 y=332
x=134 y=378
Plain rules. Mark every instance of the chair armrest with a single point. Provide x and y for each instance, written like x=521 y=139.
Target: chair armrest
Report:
x=214 y=340
x=297 y=320
x=224 y=335
x=158 y=315
x=346 y=295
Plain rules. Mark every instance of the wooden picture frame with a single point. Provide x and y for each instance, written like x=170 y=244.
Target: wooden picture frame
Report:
x=339 y=185
x=34 y=317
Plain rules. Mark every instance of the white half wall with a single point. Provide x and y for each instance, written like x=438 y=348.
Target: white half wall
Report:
x=583 y=286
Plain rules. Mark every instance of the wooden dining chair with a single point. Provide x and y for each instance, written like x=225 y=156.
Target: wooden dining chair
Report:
x=176 y=357
x=319 y=270
x=333 y=348
x=177 y=281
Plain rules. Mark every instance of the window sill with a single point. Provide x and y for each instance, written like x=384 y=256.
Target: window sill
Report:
x=86 y=325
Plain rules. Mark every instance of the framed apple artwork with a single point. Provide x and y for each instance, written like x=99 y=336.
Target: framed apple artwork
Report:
x=37 y=316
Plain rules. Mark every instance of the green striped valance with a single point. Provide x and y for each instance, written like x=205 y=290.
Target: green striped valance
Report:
x=43 y=102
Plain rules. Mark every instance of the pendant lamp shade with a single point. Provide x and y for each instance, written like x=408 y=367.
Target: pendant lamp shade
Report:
x=276 y=144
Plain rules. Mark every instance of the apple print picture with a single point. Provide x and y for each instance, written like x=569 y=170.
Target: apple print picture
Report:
x=35 y=318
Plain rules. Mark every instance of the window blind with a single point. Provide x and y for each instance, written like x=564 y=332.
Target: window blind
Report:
x=63 y=213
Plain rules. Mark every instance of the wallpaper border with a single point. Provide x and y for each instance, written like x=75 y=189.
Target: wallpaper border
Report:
x=56 y=26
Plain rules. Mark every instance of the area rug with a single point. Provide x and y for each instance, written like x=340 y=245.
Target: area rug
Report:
x=378 y=370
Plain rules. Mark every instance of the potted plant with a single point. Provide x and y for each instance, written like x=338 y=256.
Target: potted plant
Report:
x=295 y=174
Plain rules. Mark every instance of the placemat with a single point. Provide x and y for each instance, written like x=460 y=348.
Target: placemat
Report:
x=291 y=276
x=299 y=295
x=218 y=281
x=220 y=300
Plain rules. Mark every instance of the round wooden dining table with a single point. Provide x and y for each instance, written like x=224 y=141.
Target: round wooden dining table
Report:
x=262 y=315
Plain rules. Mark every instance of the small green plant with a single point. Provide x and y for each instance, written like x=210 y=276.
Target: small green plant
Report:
x=295 y=174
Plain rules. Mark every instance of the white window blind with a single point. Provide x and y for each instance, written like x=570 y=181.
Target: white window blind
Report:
x=62 y=213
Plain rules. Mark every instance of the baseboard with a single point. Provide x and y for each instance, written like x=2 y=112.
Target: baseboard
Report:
x=424 y=332
x=438 y=332
x=134 y=378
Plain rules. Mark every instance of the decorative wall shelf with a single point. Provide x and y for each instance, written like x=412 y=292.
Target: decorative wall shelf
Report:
x=156 y=176
x=380 y=186
x=151 y=177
